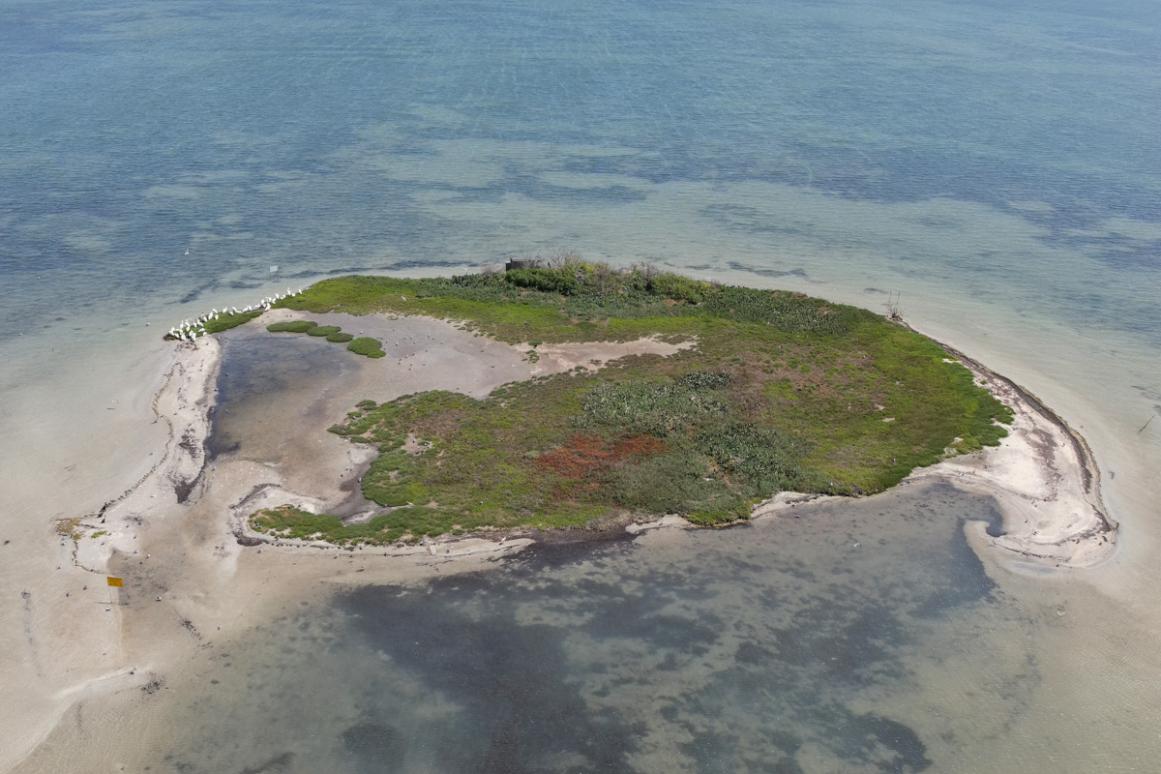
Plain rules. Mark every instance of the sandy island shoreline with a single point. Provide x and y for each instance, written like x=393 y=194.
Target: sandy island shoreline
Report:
x=1043 y=475
x=195 y=569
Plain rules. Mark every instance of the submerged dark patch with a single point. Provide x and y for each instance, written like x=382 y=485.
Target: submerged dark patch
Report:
x=510 y=680
x=376 y=747
x=746 y=648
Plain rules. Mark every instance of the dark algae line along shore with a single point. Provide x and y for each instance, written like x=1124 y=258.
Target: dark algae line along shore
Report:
x=778 y=392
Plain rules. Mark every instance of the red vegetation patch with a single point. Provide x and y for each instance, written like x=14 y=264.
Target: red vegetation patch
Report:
x=638 y=446
x=583 y=455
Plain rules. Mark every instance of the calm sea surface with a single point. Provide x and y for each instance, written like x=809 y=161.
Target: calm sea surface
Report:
x=997 y=163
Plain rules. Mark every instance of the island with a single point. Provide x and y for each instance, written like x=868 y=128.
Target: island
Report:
x=543 y=400
x=378 y=431
x=724 y=397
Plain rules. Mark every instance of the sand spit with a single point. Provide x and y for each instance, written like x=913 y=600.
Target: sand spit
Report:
x=83 y=656
x=184 y=403
x=1043 y=476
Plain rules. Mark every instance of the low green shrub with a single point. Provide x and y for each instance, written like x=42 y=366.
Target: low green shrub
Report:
x=367 y=347
x=226 y=320
x=657 y=408
x=292 y=326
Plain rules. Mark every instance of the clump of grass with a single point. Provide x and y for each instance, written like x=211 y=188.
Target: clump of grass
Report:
x=659 y=408
x=332 y=333
x=226 y=320
x=69 y=527
x=292 y=326
x=366 y=346
x=402 y=525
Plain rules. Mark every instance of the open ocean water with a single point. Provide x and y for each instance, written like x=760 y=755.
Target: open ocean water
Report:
x=997 y=163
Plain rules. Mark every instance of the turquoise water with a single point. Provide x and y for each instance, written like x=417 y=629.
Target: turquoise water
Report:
x=998 y=164
x=377 y=134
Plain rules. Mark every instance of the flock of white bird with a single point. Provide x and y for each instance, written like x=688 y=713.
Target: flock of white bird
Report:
x=189 y=330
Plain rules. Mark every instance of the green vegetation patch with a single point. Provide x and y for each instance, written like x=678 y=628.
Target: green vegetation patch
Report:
x=576 y=301
x=226 y=320
x=290 y=522
x=292 y=326
x=332 y=333
x=782 y=392
x=366 y=346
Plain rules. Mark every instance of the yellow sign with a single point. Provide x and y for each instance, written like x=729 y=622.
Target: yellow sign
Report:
x=113 y=580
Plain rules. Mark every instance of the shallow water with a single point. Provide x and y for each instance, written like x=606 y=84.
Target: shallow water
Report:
x=993 y=163
x=784 y=646
x=267 y=382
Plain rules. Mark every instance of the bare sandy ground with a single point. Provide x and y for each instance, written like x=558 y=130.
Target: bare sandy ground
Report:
x=173 y=535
